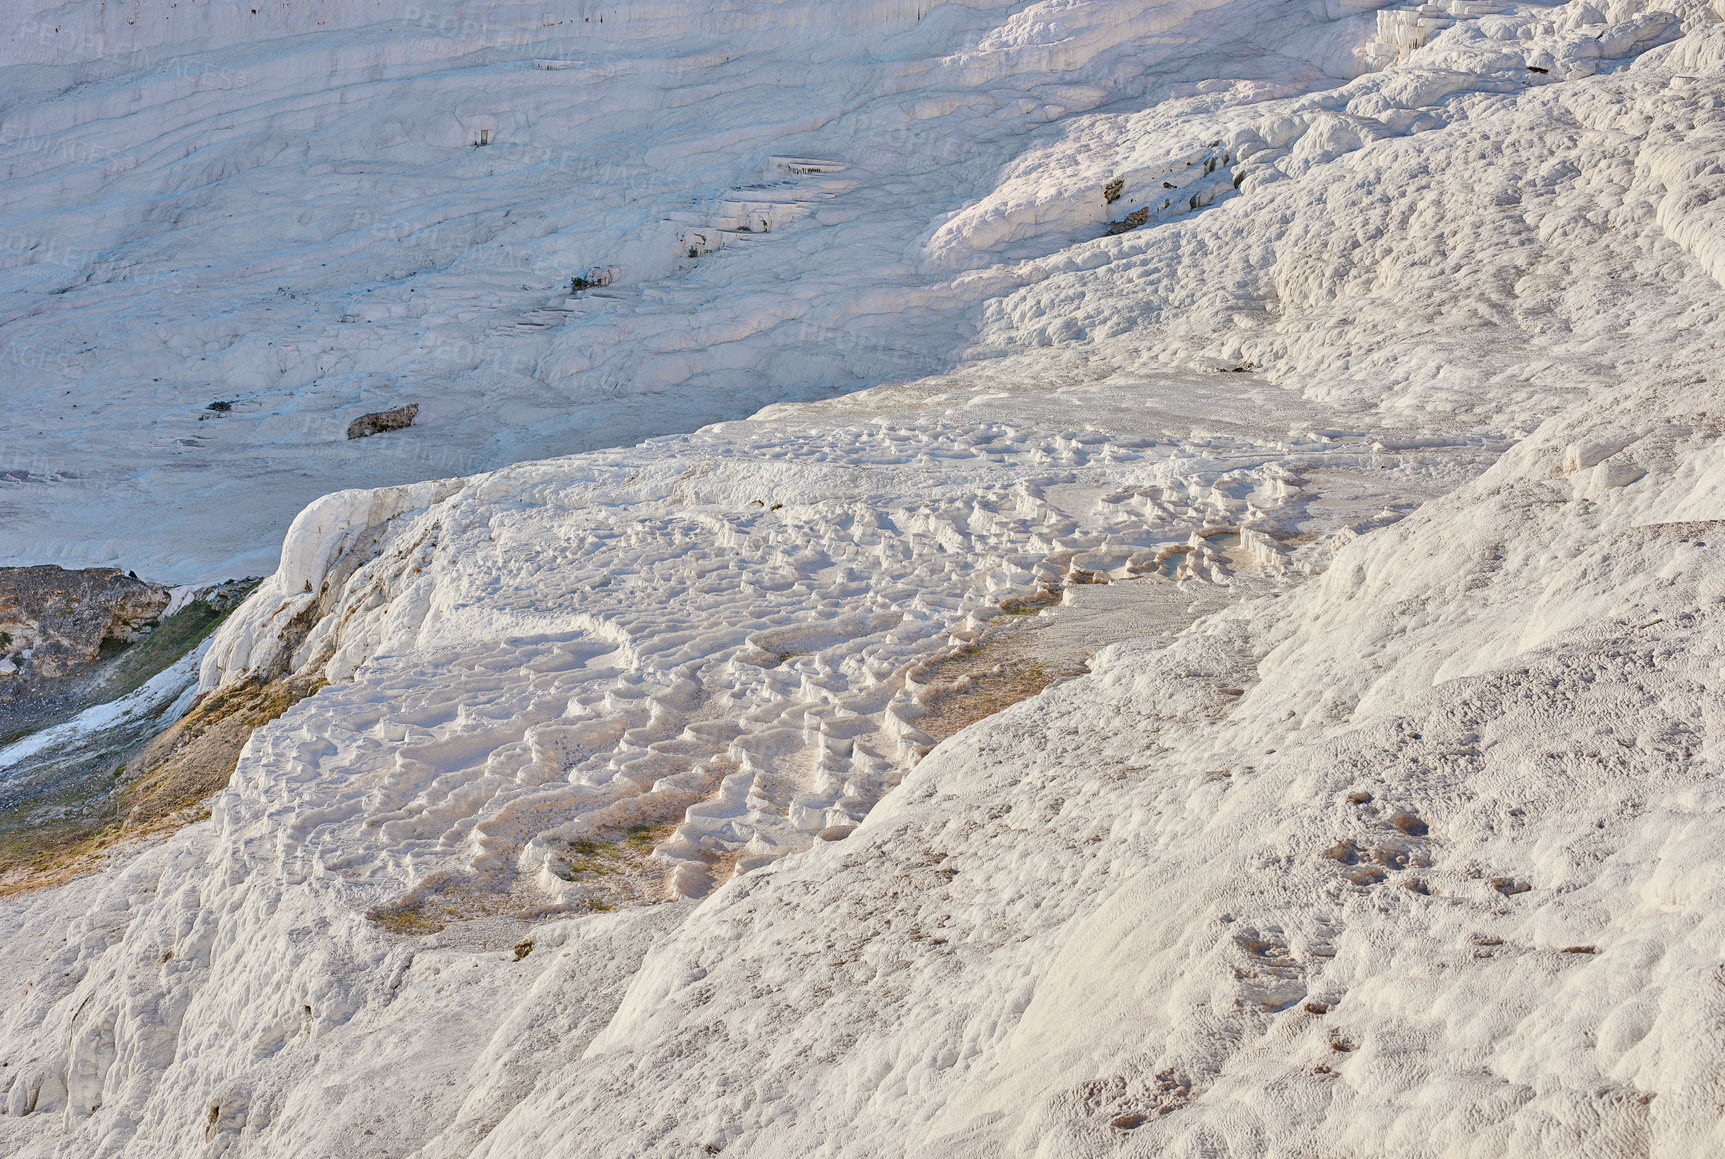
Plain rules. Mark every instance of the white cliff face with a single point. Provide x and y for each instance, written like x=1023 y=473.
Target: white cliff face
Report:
x=1412 y=847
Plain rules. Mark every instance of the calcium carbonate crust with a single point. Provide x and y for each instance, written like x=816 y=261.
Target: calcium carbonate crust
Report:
x=1410 y=849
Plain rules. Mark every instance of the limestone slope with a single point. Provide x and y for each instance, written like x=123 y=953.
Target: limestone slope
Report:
x=616 y=831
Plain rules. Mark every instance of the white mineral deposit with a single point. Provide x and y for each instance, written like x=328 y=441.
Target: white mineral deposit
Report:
x=1017 y=578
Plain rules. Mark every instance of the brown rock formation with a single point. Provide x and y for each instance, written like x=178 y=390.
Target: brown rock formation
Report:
x=55 y=623
x=384 y=420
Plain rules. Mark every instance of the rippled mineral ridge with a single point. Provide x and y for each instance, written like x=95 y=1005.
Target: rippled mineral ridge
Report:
x=1346 y=527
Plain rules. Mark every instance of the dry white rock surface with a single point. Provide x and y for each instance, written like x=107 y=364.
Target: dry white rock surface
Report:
x=1389 y=825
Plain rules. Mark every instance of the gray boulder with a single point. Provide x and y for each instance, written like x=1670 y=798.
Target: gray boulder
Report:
x=384 y=420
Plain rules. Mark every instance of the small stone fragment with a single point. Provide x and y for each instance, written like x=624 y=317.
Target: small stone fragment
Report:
x=1130 y=222
x=1409 y=823
x=384 y=420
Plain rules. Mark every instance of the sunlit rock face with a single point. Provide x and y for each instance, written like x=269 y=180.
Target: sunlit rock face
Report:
x=1237 y=681
x=57 y=622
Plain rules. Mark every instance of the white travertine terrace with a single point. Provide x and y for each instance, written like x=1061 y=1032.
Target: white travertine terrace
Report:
x=1412 y=848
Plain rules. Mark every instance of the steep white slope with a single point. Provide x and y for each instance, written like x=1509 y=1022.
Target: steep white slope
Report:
x=1416 y=857
x=1137 y=916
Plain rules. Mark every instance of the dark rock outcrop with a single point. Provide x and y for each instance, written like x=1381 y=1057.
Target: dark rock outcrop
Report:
x=62 y=804
x=56 y=623
x=384 y=420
